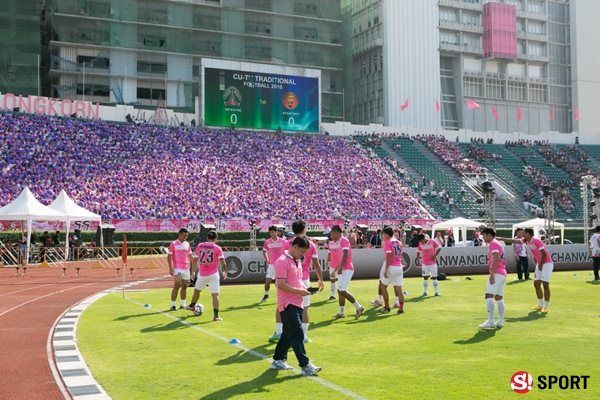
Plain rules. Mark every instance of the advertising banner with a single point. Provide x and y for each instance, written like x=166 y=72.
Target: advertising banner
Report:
x=260 y=101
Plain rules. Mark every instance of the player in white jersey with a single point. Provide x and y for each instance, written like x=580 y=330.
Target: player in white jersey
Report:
x=594 y=244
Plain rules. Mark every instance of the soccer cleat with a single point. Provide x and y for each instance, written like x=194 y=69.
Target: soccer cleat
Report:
x=424 y=294
x=310 y=369
x=183 y=308
x=338 y=316
x=384 y=310
x=396 y=305
x=173 y=308
x=437 y=294
x=537 y=308
x=499 y=324
x=487 y=325
x=359 y=312
x=331 y=297
x=265 y=297
x=217 y=319
x=280 y=365
x=545 y=310
x=275 y=337
x=400 y=312
x=376 y=303
x=307 y=340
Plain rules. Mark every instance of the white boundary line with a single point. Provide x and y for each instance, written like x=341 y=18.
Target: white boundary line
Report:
x=323 y=382
x=49 y=352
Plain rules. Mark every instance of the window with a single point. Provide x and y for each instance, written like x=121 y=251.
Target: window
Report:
x=517 y=3
x=471 y=18
x=535 y=27
x=94 y=62
x=150 y=93
x=151 y=68
x=495 y=88
x=516 y=90
x=471 y=41
x=448 y=38
x=447 y=15
x=535 y=49
x=537 y=93
x=472 y=86
x=535 y=7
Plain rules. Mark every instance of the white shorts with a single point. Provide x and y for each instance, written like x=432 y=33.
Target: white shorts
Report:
x=395 y=276
x=185 y=273
x=381 y=272
x=498 y=287
x=212 y=281
x=331 y=271
x=271 y=271
x=427 y=270
x=545 y=273
x=306 y=299
x=344 y=280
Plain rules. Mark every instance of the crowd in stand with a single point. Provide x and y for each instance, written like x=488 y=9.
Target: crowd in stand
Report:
x=139 y=171
x=526 y=143
x=481 y=154
x=450 y=153
x=575 y=168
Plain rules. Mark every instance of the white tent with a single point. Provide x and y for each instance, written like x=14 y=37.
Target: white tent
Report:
x=537 y=224
x=64 y=204
x=456 y=225
x=27 y=208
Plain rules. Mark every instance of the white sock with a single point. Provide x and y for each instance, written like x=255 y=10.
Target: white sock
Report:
x=546 y=303
x=381 y=298
x=266 y=292
x=490 y=308
x=182 y=303
x=435 y=285
x=397 y=300
x=305 y=328
x=173 y=303
x=342 y=309
x=278 y=328
x=425 y=284
x=500 y=310
x=541 y=302
x=333 y=288
x=357 y=305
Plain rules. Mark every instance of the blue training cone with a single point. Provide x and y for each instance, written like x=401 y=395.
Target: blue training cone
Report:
x=404 y=292
x=234 y=341
x=575 y=274
x=147 y=305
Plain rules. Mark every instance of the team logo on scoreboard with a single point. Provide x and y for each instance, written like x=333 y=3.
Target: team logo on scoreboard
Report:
x=290 y=100
x=232 y=96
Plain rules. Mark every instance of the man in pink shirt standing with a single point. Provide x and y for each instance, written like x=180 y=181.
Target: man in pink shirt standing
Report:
x=543 y=269
x=179 y=259
x=392 y=270
x=494 y=289
x=272 y=250
x=290 y=290
x=209 y=255
x=428 y=250
x=340 y=257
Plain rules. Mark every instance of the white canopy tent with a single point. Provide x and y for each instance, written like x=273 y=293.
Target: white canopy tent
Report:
x=457 y=225
x=537 y=224
x=27 y=208
x=65 y=205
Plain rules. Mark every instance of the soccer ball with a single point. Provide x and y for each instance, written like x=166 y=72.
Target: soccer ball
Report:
x=198 y=309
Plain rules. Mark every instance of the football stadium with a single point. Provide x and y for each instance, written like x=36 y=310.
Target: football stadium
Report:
x=252 y=199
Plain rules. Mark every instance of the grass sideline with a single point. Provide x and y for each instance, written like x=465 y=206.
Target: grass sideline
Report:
x=433 y=351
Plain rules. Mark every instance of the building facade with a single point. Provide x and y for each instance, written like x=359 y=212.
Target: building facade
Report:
x=514 y=55
x=137 y=51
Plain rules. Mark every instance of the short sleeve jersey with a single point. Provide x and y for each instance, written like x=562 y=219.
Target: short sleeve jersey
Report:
x=520 y=249
x=311 y=253
x=209 y=256
x=393 y=247
x=428 y=251
x=286 y=267
x=496 y=247
x=537 y=248
x=595 y=243
x=179 y=254
x=336 y=249
x=274 y=249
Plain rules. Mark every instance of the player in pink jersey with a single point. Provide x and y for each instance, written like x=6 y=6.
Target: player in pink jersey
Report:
x=179 y=259
x=208 y=257
x=392 y=272
x=272 y=250
x=310 y=257
x=340 y=257
x=428 y=250
x=494 y=289
x=543 y=269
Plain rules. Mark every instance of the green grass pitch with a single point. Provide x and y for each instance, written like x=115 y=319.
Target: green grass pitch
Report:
x=434 y=351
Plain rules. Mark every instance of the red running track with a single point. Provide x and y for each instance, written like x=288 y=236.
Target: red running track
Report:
x=29 y=306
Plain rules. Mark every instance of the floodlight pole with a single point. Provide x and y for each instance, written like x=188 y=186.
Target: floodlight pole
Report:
x=549 y=217
x=252 y=238
x=489 y=207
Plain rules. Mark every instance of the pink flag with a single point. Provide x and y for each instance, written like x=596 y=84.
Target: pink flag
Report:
x=577 y=114
x=519 y=113
x=552 y=112
x=124 y=251
x=471 y=105
x=495 y=113
x=404 y=106
x=437 y=106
